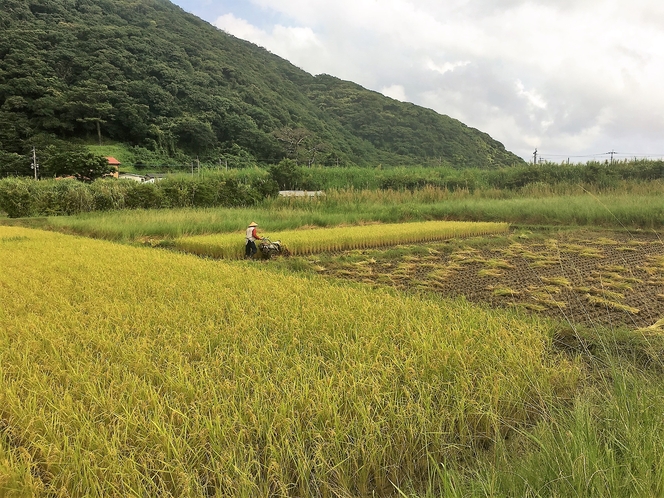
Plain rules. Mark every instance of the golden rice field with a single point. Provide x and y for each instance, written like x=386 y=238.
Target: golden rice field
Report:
x=129 y=371
x=301 y=242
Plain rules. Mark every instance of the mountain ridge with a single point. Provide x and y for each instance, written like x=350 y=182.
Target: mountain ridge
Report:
x=146 y=73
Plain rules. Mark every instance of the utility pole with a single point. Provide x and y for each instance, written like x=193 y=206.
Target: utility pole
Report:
x=612 y=152
x=35 y=166
x=535 y=156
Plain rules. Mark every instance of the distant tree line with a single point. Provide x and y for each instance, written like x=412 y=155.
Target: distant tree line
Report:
x=21 y=197
x=25 y=197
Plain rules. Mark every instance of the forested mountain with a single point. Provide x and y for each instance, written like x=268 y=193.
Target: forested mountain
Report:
x=145 y=73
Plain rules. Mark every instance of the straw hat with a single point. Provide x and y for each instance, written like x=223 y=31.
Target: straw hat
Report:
x=253 y=224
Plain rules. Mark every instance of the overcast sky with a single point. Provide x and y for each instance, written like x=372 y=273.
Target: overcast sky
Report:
x=575 y=78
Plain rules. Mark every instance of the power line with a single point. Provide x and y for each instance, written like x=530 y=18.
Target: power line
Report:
x=631 y=154
x=612 y=154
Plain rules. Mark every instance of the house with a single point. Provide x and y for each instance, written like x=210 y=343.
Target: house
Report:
x=131 y=176
x=301 y=193
x=114 y=162
x=154 y=177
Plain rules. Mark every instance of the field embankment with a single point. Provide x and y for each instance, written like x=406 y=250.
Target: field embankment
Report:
x=139 y=372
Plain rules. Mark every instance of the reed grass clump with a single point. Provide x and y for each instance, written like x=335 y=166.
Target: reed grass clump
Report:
x=134 y=372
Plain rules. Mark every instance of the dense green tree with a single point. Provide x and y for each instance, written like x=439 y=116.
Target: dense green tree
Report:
x=61 y=159
x=287 y=174
x=194 y=136
x=12 y=164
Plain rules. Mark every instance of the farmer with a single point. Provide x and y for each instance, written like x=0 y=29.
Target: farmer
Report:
x=252 y=236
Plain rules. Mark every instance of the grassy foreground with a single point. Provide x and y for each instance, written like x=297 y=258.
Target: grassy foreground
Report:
x=608 y=442
x=129 y=371
x=298 y=242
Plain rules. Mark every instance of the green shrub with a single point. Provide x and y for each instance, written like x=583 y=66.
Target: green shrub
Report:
x=71 y=196
x=265 y=187
x=177 y=191
x=287 y=174
x=108 y=195
x=206 y=192
x=145 y=196
x=234 y=193
x=16 y=197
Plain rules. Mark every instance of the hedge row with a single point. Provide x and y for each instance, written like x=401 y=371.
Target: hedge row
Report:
x=21 y=197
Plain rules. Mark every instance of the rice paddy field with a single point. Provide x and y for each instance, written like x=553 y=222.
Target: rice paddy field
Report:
x=584 y=277
x=131 y=371
x=479 y=361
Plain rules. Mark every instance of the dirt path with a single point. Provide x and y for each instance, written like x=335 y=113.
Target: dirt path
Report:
x=582 y=276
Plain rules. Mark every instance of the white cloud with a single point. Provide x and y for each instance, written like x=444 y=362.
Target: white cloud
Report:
x=240 y=28
x=300 y=43
x=397 y=92
x=445 y=67
x=297 y=38
x=570 y=76
x=534 y=99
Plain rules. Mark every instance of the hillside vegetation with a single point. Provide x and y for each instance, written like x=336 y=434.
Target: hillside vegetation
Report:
x=147 y=74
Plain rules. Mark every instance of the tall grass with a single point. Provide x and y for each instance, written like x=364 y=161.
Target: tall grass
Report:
x=510 y=178
x=637 y=209
x=607 y=441
x=133 y=372
x=610 y=443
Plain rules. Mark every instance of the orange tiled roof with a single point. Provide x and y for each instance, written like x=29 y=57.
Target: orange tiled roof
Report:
x=113 y=161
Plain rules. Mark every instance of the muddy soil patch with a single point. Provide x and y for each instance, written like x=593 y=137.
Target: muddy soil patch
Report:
x=584 y=277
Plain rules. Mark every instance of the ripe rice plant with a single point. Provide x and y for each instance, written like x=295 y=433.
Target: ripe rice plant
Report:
x=126 y=371
x=299 y=242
